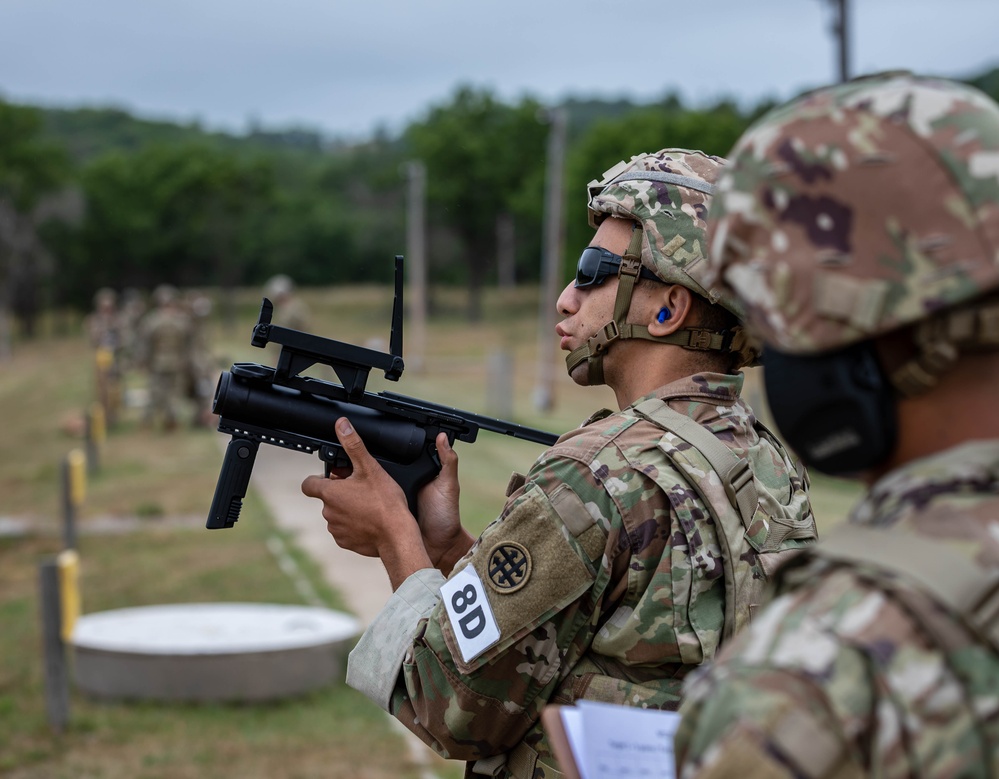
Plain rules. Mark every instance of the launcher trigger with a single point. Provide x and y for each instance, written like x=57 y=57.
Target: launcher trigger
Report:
x=333 y=457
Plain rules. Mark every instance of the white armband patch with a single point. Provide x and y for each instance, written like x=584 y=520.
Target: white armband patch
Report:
x=471 y=617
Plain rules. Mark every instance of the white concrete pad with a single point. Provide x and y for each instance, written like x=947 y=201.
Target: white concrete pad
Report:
x=211 y=651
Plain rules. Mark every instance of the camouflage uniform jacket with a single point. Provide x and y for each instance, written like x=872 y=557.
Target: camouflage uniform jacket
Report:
x=601 y=583
x=166 y=340
x=853 y=670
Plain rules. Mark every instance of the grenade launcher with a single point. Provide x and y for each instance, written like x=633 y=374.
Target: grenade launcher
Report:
x=259 y=404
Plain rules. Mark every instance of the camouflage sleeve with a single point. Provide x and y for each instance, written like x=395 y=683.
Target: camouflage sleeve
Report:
x=832 y=677
x=528 y=585
x=374 y=663
x=741 y=720
x=777 y=702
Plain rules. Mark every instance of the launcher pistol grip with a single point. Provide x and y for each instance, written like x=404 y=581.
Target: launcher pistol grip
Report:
x=234 y=478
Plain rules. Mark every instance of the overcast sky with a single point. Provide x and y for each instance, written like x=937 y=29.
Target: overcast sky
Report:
x=348 y=67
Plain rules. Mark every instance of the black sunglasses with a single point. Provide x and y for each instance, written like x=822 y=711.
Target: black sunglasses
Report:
x=596 y=264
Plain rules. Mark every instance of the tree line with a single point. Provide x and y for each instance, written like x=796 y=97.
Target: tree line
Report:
x=98 y=197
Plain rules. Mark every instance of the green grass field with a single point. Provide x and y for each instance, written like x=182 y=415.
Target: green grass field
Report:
x=153 y=491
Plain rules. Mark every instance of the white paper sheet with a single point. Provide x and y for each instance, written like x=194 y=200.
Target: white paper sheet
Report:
x=621 y=742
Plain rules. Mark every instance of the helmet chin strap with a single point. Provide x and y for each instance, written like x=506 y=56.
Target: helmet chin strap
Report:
x=618 y=328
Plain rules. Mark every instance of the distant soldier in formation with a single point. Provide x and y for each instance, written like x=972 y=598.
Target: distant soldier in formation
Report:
x=103 y=325
x=289 y=309
x=165 y=347
x=105 y=332
x=133 y=308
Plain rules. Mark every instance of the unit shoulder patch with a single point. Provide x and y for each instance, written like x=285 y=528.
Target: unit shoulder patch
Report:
x=509 y=566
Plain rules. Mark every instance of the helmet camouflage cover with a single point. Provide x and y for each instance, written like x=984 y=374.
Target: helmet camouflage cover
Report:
x=164 y=294
x=668 y=194
x=858 y=209
x=105 y=297
x=279 y=285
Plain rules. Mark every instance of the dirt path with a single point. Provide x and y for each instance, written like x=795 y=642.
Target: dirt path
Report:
x=277 y=477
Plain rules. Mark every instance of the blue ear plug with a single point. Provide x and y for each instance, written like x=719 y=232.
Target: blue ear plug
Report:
x=663 y=314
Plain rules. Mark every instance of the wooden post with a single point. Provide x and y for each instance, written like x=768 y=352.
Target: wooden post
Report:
x=551 y=271
x=416 y=264
x=96 y=434
x=5 y=338
x=499 y=389
x=506 y=251
x=53 y=648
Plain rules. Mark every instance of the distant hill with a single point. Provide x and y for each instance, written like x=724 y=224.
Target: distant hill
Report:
x=89 y=132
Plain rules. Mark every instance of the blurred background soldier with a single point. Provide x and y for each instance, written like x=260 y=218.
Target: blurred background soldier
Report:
x=860 y=226
x=133 y=309
x=202 y=370
x=165 y=347
x=289 y=309
x=104 y=330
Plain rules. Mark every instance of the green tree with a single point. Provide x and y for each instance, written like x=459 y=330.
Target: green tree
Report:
x=188 y=215
x=335 y=218
x=484 y=158
x=32 y=172
x=648 y=129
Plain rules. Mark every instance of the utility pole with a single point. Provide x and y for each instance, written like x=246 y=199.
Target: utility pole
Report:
x=841 y=32
x=416 y=263
x=506 y=250
x=551 y=268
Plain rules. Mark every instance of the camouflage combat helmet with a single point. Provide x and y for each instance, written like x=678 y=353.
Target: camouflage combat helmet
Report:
x=667 y=195
x=863 y=208
x=105 y=297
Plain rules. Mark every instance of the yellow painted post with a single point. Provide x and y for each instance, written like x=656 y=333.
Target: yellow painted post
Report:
x=103 y=365
x=68 y=562
x=77 y=477
x=74 y=490
x=99 y=423
x=104 y=358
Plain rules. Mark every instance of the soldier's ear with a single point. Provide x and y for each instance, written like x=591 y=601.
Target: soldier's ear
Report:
x=677 y=301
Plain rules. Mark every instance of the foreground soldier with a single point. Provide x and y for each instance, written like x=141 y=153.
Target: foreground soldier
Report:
x=631 y=547
x=860 y=226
